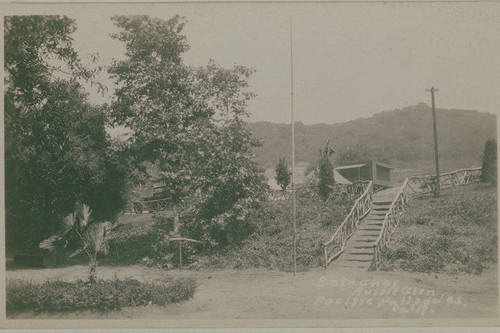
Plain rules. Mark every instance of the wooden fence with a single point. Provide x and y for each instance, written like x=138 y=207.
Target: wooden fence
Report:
x=426 y=183
x=415 y=185
x=340 y=191
x=361 y=207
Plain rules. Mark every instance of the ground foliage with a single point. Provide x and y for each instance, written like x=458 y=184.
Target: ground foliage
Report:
x=264 y=240
x=456 y=232
x=270 y=243
x=102 y=296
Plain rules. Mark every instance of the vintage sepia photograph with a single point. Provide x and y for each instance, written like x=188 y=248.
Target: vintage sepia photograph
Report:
x=250 y=164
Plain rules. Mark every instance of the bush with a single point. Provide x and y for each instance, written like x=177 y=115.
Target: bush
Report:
x=270 y=245
x=264 y=240
x=102 y=296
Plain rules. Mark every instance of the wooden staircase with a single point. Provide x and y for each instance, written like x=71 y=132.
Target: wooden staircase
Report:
x=358 y=251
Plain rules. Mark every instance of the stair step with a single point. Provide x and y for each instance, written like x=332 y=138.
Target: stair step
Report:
x=371 y=227
x=378 y=212
x=375 y=217
x=361 y=251
x=381 y=202
x=374 y=223
x=359 y=257
x=368 y=233
x=375 y=231
x=363 y=247
x=381 y=207
x=365 y=239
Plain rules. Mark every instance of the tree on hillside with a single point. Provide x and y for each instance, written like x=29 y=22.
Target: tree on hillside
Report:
x=283 y=174
x=56 y=149
x=190 y=122
x=326 y=179
x=489 y=169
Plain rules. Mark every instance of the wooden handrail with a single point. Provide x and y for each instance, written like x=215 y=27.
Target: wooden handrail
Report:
x=445 y=173
x=425 y=183
x=397 y=207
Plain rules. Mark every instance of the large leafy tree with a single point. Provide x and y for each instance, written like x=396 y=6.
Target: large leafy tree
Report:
x=56 y=149
x=190 y=121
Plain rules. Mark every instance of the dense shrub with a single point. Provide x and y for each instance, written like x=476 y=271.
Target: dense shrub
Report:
x=453 y=233
x=270 y=245
x=131 y=241
x=266 y=240
x=102 y=296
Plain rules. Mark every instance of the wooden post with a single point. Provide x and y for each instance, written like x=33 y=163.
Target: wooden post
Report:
x=176 y=221
x=180 y=254
x=436 y=153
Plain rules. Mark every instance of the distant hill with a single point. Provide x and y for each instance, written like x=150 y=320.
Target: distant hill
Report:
x=403 y=137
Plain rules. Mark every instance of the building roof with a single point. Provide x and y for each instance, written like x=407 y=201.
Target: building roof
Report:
x=339 y=179
x=354 y=166
x=384 y=165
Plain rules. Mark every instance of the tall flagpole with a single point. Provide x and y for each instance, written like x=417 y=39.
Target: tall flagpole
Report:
x=294 y=212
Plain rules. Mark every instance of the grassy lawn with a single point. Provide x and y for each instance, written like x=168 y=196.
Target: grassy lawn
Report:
x=456 y=232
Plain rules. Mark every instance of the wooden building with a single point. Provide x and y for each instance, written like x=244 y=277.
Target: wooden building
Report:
x=374 y=170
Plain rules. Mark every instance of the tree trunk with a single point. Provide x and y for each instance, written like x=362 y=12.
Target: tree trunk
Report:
x=93 y=267
x=52 y=223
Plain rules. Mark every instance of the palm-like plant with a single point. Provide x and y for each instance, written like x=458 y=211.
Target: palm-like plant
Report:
x=79 y=230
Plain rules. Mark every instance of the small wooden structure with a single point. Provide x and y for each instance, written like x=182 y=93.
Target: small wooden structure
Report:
x=159 y=201
x=378 y=172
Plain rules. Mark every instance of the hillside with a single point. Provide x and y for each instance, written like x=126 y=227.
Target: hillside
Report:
x=404 y=137
x=456 y=232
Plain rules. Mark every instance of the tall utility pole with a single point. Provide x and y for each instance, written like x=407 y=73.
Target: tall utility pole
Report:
x=294 y=210
x=436 y=153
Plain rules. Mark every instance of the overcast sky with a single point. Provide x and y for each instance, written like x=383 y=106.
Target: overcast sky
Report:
x=350 y=60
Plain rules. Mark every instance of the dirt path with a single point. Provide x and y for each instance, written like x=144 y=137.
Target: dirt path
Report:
x=318 y=294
